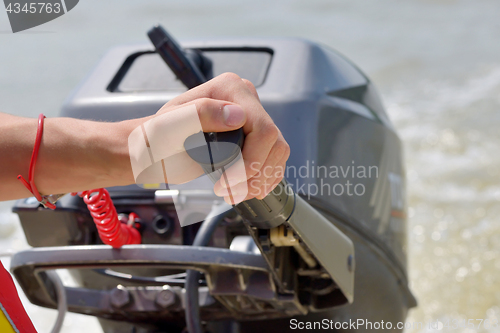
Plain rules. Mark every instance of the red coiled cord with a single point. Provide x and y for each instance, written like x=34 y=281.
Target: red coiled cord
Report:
x=111 y=230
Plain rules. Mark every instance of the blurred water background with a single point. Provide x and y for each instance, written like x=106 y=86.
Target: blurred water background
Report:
x=435 y=62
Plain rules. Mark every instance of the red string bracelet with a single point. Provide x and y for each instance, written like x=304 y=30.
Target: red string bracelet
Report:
x=102 y=209
x=31 y=185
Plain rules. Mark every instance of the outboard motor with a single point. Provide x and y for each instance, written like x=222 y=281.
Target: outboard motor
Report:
x=325 y=248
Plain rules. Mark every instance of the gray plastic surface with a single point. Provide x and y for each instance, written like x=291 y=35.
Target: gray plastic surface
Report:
x=333 y=249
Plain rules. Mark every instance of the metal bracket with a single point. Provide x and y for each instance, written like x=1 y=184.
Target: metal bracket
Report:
x=240 y=282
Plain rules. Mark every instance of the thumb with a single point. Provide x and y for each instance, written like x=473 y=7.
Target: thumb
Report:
x=219 y=116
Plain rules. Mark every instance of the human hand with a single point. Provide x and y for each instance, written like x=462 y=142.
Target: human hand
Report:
x=228 y=102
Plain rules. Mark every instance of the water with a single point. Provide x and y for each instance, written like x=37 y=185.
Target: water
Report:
x=436 y=63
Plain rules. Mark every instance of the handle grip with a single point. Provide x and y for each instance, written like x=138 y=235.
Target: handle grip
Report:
x=174 y=56
x=220 y=152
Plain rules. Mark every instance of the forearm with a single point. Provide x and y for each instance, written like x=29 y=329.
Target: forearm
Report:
x=74 y=155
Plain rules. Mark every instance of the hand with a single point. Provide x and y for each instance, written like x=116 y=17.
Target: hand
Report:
x=77 y=155
x=156 y=145
x=265 y=151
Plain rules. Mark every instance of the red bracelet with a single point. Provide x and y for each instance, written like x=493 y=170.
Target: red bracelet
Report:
x=31 y=185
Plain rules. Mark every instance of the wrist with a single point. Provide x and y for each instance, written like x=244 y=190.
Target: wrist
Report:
x=120 y=169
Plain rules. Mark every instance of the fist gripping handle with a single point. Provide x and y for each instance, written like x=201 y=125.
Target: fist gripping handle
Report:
x=221 y=151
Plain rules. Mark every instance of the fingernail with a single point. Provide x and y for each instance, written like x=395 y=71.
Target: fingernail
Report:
x=233 y=115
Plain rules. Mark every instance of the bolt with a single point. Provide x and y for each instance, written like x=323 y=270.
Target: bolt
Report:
x=119 y=297
x=165 y=298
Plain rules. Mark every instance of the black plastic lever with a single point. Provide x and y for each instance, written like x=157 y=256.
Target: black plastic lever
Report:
x=175 y=57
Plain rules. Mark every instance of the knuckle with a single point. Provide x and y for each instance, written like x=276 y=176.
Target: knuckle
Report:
x=270 y=132
x=203 y=106
x=209 y=107
x=203 y=102
x=249 y=84
x=229 y=76
x=287 y=150
x=251 y=88
x=282 y=148
x=280 y=173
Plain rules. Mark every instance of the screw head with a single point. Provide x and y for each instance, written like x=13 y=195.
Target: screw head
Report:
x=119 y=297
x=165 y=298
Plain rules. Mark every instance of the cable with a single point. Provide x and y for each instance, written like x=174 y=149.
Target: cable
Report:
x=203 y=236
x=62 y=303
x=111 y=230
